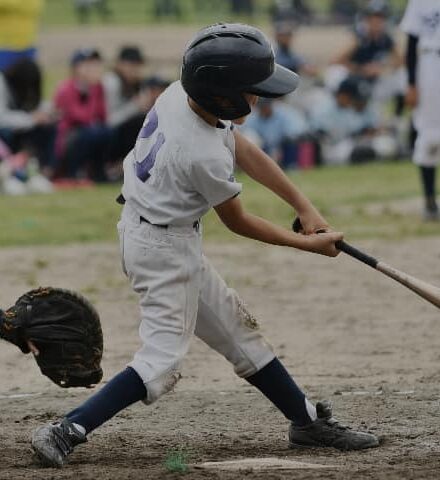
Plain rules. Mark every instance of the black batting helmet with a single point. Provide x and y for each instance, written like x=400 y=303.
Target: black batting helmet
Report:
x=224 y=61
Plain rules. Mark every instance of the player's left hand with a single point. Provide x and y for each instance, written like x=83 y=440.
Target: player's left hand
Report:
x=312 y=222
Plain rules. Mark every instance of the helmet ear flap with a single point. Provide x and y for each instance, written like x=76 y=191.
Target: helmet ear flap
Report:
x=224 y=104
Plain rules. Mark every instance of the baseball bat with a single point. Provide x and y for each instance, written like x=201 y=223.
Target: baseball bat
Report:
x=423 y=289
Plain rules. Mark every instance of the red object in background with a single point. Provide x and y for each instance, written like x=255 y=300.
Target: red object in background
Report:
x=71 y=184
x=306 y=155
x=77 y=109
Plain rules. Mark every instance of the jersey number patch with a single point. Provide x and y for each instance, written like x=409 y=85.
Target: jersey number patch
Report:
x=144 y=167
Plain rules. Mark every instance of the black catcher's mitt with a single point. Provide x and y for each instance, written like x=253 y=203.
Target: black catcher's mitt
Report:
x=66 y=330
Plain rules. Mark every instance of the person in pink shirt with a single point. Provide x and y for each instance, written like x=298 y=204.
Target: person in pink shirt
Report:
x=82 y=135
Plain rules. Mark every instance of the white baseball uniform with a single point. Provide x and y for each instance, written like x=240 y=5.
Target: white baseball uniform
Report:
x=422 y=19
x=179 y=168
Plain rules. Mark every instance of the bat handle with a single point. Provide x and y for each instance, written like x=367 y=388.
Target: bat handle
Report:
x=344 y=247
x=355 y=253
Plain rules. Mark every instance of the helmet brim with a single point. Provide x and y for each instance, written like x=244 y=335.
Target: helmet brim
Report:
x=281 y=82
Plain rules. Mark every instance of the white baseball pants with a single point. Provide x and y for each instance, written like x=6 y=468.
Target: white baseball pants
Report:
x=181 y=294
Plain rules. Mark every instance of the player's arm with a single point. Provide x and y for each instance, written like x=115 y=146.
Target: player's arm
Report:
x=247 y=225
x=264 y=170
x=411 y=67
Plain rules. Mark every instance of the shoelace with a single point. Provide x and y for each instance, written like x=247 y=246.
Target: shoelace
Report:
x=62 y=441
x=332 y=422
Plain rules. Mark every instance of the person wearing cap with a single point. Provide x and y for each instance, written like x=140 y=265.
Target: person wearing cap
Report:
x=374 y=55
x=347 y=127
x=181 y=167
x=82 y=134
x=285 y=54
x=278 y=126
x=126 y=101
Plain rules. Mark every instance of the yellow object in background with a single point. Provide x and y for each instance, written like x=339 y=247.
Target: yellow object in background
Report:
x=19 y=23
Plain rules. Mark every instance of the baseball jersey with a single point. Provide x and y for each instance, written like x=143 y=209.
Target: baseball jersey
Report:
x=180 y=166
x=422 y=19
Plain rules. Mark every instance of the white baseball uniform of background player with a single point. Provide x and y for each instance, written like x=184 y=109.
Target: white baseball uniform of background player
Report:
x=422 y=19
x=180 y=292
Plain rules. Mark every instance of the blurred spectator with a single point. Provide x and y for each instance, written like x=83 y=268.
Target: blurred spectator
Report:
x=344 y=10
x=285 y=54
x=373 y=54
x=26 y=125
x=84 y=9
x=82 y=136
x=242 y=7
x=167 y=8
x=347 y=127
x=275 y=127
x=291 y=10
x=126 y=102
x=19 y=173
x=152 y=87
x=18 y=30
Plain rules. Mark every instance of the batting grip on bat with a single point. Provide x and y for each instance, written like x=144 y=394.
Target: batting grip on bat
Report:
x=343 y=246
x=425 y=290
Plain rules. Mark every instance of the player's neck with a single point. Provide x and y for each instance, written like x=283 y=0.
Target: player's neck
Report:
x=203 y=114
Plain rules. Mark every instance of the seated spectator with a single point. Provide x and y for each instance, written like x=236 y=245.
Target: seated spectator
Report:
x=347 y=127
x=285 y=53
x=293 y=10
x=126 y=101
x=19 y=174
x=82 y=135
x=374 y=56
x=275 y=127
x=26 y=126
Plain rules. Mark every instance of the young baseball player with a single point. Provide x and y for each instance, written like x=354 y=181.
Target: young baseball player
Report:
x=181 y=166
x=421 y=23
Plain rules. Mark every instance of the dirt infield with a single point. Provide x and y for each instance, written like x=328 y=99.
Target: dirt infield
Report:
x=345 y=332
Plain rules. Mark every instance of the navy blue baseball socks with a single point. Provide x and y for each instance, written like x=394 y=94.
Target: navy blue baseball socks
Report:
x=326 y=431
x=278 y=386
x=121 y=391
x=53 y=442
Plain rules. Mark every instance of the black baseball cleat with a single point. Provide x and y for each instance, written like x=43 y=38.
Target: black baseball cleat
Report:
x=54 y=441
x=328 y=432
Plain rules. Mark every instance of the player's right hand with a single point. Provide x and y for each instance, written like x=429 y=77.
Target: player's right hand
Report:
x=322 y=243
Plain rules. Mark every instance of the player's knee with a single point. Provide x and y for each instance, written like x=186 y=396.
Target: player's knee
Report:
x=161 y=385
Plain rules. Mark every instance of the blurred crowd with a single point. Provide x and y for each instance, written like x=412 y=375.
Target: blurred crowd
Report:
x=82 y=134
x=350 y=111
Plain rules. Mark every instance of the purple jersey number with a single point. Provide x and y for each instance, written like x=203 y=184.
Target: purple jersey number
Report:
x=143 y=168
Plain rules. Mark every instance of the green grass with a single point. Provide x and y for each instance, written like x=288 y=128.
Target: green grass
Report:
x=177 y=461
x=61 y=12
x=342 y=194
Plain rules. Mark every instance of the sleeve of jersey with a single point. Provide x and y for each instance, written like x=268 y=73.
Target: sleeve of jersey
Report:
x=215 y=181
x=410 y=22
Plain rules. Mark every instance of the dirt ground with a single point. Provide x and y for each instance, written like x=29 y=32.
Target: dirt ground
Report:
x=344 y=331
x=164 y=44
